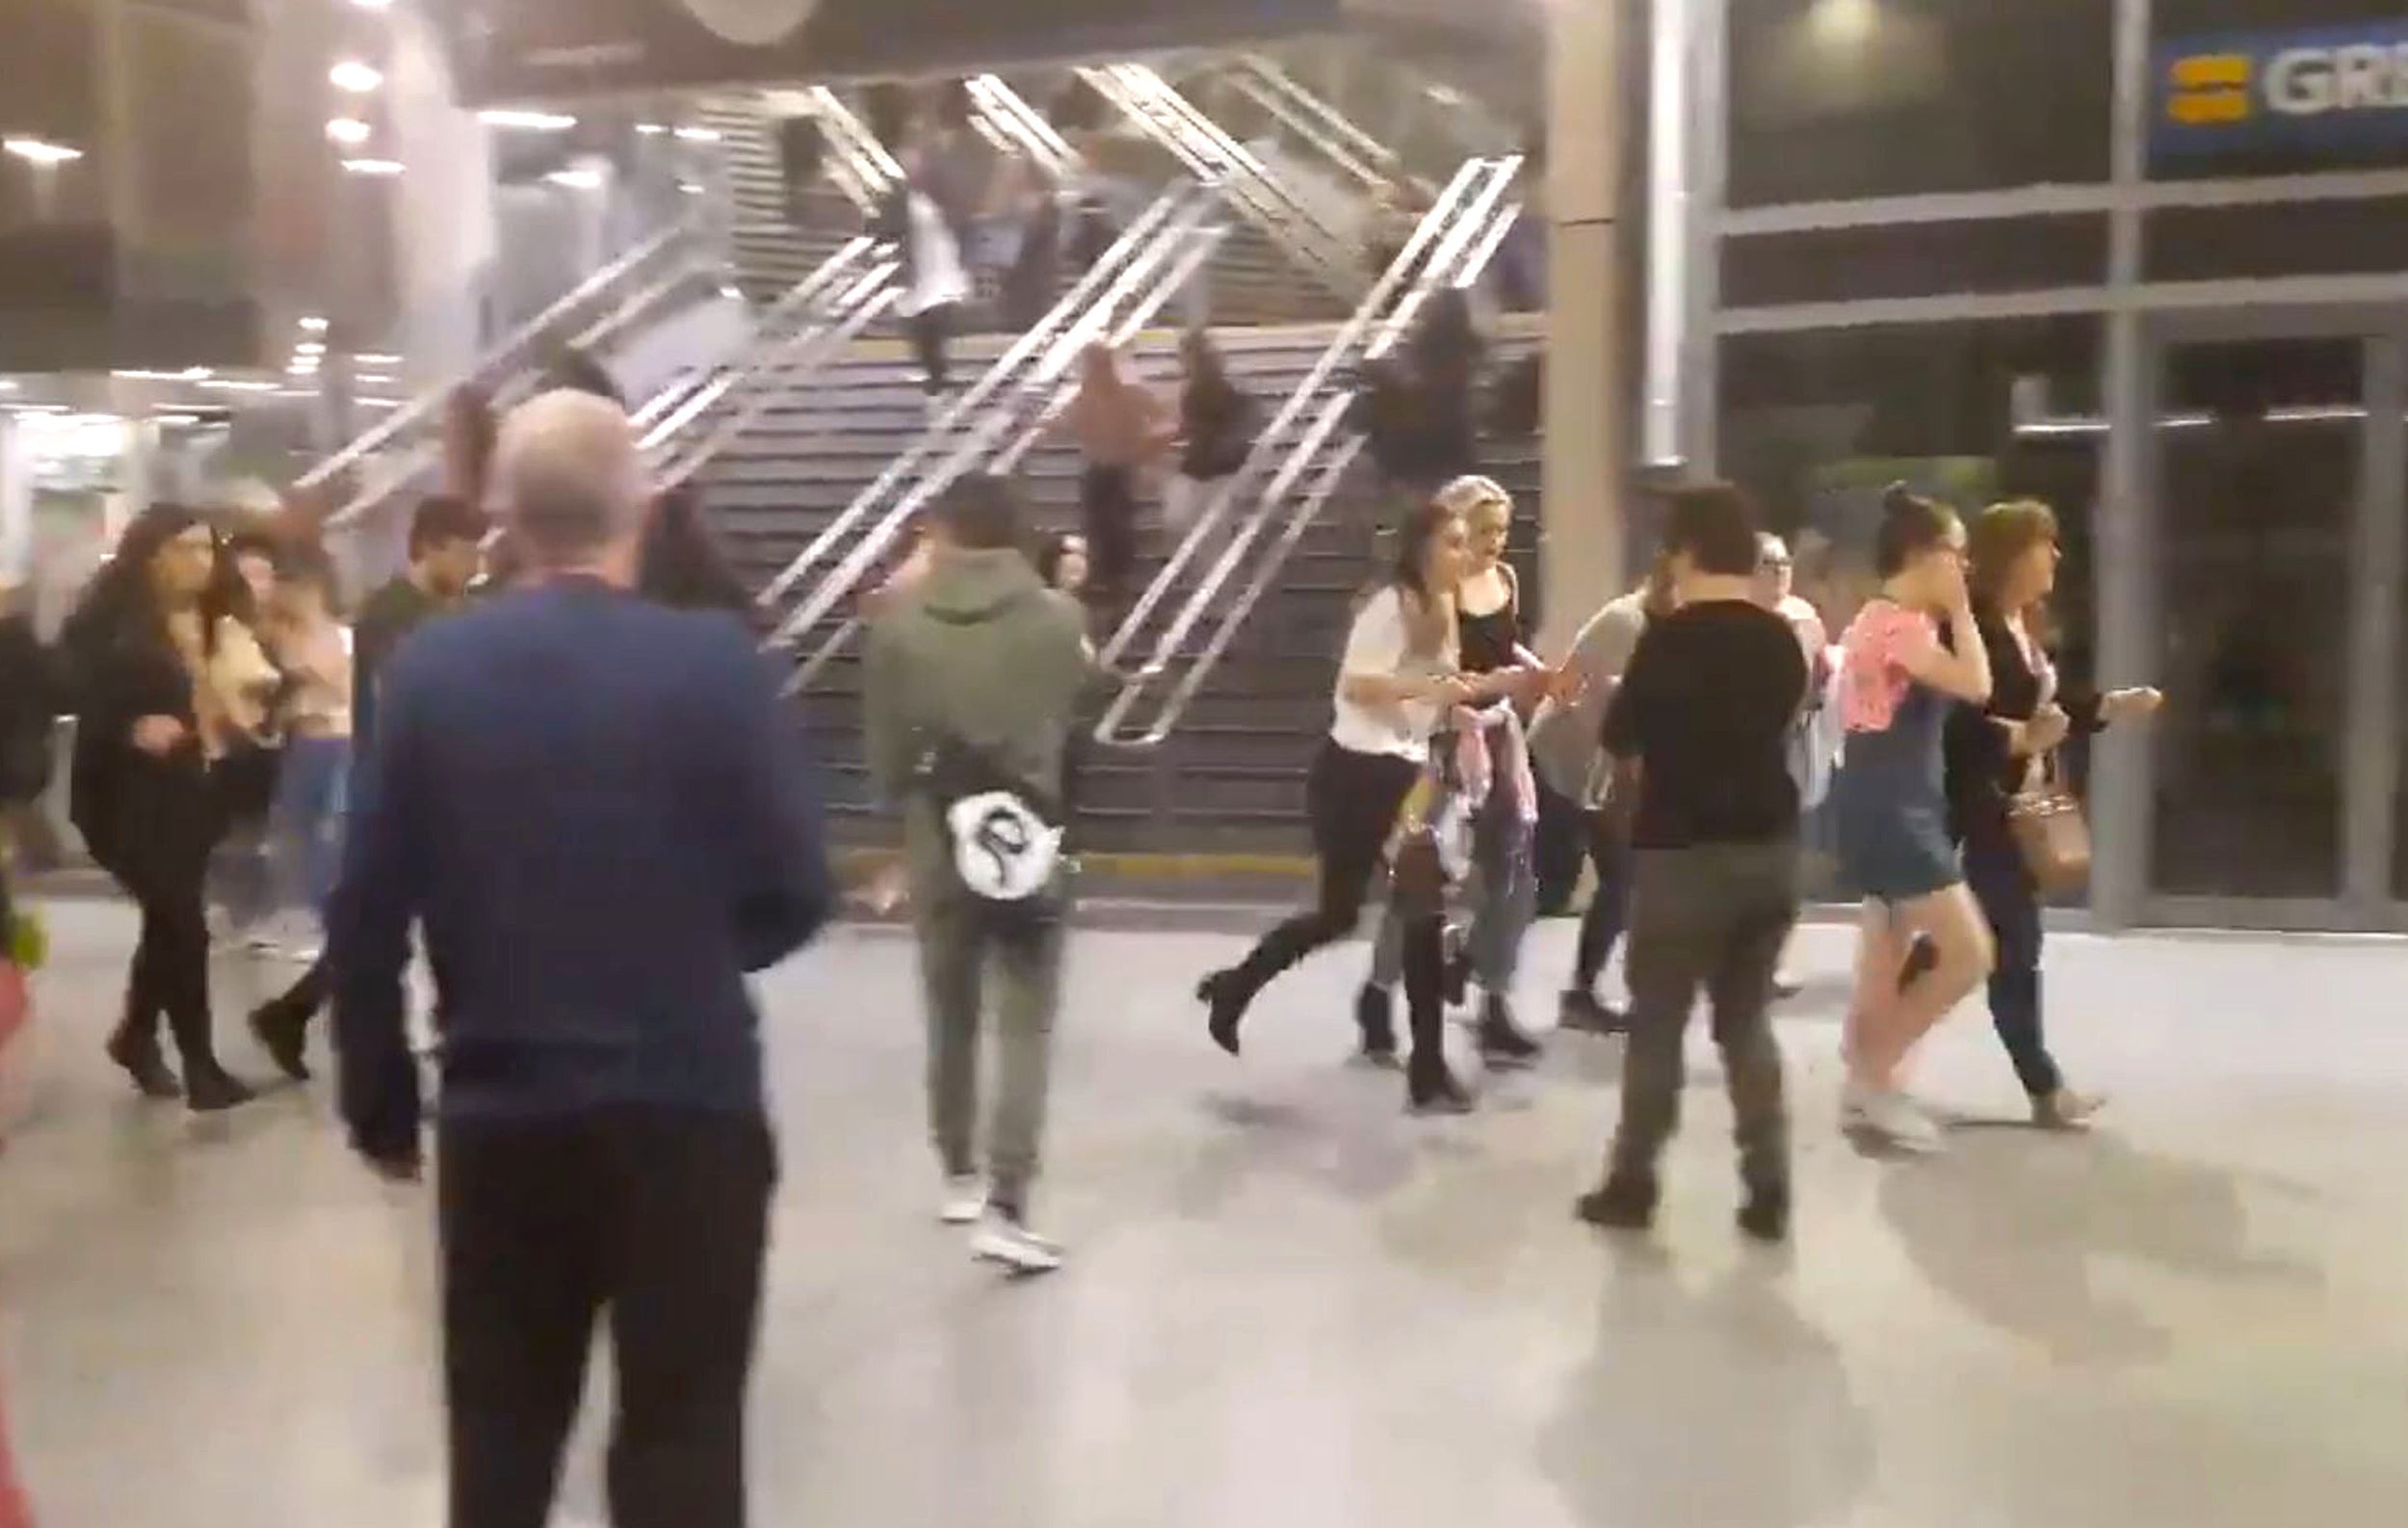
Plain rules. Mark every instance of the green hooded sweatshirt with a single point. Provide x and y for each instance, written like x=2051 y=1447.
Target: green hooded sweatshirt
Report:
x=983 y=651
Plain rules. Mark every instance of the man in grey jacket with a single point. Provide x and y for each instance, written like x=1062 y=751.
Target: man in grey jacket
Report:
x=1567 y=750
x=980 y=662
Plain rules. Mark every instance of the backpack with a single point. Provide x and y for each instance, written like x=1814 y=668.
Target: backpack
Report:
x=1005 y=838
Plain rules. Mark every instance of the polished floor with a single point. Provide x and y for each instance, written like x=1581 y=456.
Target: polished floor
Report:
x=1293 y=1307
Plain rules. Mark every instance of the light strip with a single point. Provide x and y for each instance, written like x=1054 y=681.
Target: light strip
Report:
x=373 y=167
x=355 y=76
x=40 y=152
x=530 y=121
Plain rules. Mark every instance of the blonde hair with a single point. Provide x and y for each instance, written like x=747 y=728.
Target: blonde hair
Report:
x=1472 y=496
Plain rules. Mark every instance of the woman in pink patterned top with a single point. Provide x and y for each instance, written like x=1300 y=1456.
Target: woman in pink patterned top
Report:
x=1890 y=805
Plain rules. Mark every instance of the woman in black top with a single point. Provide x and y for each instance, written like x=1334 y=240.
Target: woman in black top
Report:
x=1488 y=632
x=1997 y=749
x=146 y=798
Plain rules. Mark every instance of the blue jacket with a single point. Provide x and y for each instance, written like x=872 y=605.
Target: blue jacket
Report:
x=601 y=815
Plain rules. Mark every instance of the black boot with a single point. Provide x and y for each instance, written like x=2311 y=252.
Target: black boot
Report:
x=1765 y=1216
x=1582 y=1013
x=1458 y=968
x=1226 y=994
x=281 y=1027
x=1625 y=1203
x=138 y=1054
x=1374 y=1016
x=1502 y=1046
x=1430 y=1088
x=213 y=1089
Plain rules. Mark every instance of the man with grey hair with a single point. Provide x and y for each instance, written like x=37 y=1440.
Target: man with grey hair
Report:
x=597 y=812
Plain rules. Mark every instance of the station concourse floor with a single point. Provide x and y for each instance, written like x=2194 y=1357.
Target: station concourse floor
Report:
x=1291 y=1306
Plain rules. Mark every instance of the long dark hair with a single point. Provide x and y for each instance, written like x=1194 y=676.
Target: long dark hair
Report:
x=681 y=563
x=120 y=600
x=1429 y=613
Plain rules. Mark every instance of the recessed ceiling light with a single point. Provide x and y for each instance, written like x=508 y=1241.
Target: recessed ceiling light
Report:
x=373 y=167
x=40 y=152
x=355 y=76
x=530 y=121
x=364 y=358
x=348 y=131
x=699 y=135
x=314 y=325
x=576 y=180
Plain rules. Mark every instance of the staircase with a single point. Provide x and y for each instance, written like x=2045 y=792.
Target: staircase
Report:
x=770 y=251
x=1231 y=778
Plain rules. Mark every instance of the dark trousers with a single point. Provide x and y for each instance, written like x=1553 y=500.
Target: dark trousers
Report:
x=659 y=1217
x=1609 y=909
x=1996 y=874
x=169 y=977
x=1352 y=800
x=1712 y=917
x=1556 y=854
x=1108 y=513
x=931 y=335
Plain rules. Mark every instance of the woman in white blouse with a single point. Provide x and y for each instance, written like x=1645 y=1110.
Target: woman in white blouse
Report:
x=1398 y=678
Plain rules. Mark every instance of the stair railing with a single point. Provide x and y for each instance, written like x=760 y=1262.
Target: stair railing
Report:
x=998 y=432
x=1333 y=135
x=1025 y=125
x=1450 y=247
x=1008 y=370
x=1150 y=102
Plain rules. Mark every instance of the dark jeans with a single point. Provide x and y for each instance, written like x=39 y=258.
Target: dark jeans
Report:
x=1108 y=513
x=1351 y=800
x=1556 y=856
x=1712 y=917
x=1609 y=909
x=660 y=1218
x=169 y=977
x=1995 y=872
x=931 y=335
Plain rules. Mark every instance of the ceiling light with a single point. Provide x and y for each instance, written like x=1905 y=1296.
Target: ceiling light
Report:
x=303 y=368
x=315 y=325
x=652 y=129
x=366 y=360
x=531 y=122
x=232 y=385
x=373 y=167
x=372 y=5
x=144 y=374
x=310 y=347
x=699 y=135
x=7 y=385
x=348 y=131
x=576 y=180
x=355 y=76
x=40 y=152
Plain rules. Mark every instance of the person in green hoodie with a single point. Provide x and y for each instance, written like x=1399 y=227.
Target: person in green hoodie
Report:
x=974 y=676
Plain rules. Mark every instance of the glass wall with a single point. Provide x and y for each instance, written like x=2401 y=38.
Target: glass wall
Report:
x=1831 y=99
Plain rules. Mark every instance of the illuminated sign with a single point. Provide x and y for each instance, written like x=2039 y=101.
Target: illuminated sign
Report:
x=2332 y=88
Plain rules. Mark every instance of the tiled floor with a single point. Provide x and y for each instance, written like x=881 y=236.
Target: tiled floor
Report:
x=1291 y=1307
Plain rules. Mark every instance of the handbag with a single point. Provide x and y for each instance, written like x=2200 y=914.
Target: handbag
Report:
x=2051 y=832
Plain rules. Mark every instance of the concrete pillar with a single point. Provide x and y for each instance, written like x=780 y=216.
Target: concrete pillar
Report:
x=443 y=215
x=1588 y=441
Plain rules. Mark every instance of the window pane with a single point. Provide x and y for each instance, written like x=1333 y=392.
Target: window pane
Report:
x=1843 y=98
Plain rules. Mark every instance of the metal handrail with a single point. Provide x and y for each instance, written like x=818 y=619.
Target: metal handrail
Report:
x=1330 y=131
x=1153 y=103
x=1082 y=325
x=502 y=354
x=691 y=396
x=798 y=356
x=1073 y=306
x=1167 y=277
x=1026 y=125
x=513 y=390
x=1473 y=234
x=1452 y=202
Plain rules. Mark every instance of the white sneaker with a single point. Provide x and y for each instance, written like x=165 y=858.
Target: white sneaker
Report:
x=1001 y=1239
x=965 y=1200
x=1891 y=1118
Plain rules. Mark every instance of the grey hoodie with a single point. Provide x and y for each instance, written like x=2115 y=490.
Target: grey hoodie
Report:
x=983 y=651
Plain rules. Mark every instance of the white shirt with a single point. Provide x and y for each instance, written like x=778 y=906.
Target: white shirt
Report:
x=1379 y=644
x=938 y=277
